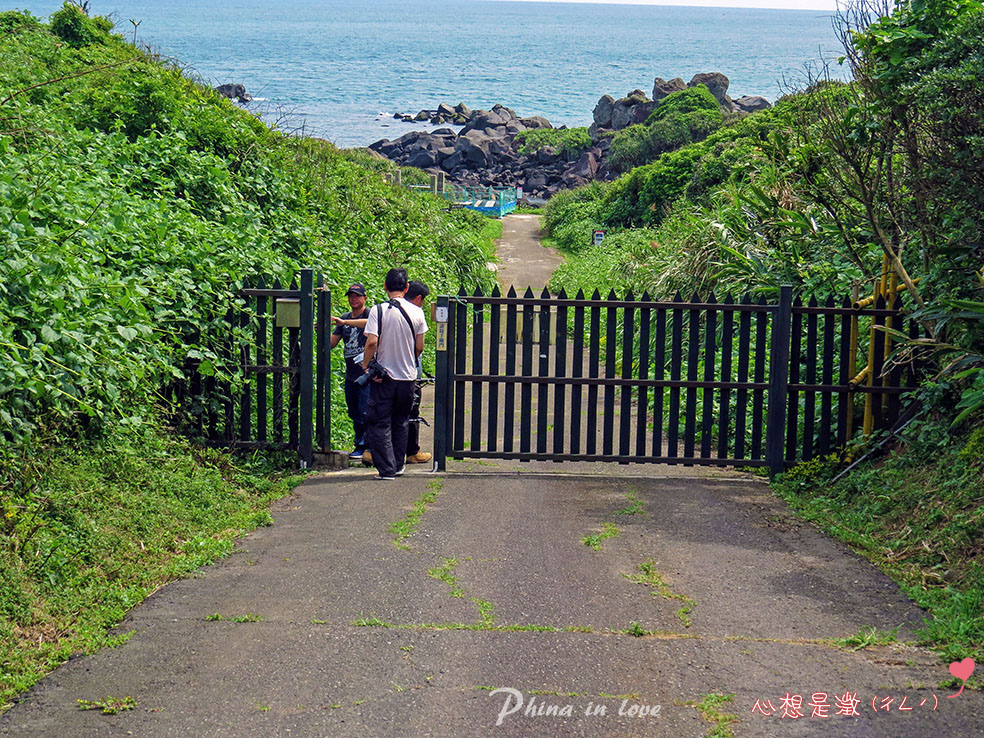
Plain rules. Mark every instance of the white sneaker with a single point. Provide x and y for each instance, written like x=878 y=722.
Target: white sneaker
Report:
x=402 y=469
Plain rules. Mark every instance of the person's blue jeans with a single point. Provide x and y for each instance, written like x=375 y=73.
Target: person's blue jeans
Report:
x=357 y=402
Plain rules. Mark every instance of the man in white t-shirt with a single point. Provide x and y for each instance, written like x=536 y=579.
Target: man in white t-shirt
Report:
x=394 y=338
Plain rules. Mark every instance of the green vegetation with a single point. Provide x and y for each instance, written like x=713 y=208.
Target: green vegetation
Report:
x=709 y=709
x=109 y=705
x=594 y=540
x=407 y=526
x=133 y=203
x=681 y=118
x=866 y=638
x=568 y=142
x=649 y=576
x=636 y=508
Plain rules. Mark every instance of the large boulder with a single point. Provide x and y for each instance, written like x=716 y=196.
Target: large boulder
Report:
x=423 y=159
x=641 y=111
x=717 y=83
x=662 y=88
x=751 y=104
x=452 y=162
x=483 y=120
x=536 y=121
x=507 y=114
x=234 y=92
x=445 y=111
x=603 y=111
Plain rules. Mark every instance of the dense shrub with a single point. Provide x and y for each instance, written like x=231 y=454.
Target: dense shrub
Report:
x=132 y=204
x=568 y=142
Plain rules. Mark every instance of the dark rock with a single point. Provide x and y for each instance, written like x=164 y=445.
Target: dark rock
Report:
x=662 y=88
x=452 y=162
x=462 y=109
x=535 y=181
x=536 y=121
x=444 y=153
x=641 y=111
x=483 y=120
x=547 y=155
x=751 y=104
x=398 y=116
x=622 y=115
x=422 y=159
x=507 y=114
x=234 y=92
x=422 y=116
x=445 y=111
x=717 y=83
x=603 y=111
x=587 y=165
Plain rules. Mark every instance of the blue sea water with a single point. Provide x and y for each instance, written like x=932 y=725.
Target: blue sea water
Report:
x=340 y=68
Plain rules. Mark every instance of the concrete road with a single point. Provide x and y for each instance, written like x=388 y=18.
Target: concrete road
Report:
x=329 y=624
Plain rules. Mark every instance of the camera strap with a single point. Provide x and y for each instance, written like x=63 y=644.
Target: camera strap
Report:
x=379 y=318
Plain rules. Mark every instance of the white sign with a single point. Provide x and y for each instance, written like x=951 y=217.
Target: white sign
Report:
x=442 y=315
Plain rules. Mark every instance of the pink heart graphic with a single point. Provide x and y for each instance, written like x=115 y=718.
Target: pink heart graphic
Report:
x=962 y=669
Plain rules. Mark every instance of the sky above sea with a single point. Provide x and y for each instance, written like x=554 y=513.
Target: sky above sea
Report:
x=339 y=69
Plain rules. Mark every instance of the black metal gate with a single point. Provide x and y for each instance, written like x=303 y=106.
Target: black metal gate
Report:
x=271 y=390
x=733 y=383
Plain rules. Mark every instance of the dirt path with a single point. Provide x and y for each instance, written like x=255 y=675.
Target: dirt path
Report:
x=524 y=261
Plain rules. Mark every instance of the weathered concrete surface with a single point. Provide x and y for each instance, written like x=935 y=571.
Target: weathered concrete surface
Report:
x=524 y=261
x=766 y=591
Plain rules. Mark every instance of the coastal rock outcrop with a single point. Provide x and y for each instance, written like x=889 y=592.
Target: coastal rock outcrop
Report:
x=234 y=92
x=486 y=150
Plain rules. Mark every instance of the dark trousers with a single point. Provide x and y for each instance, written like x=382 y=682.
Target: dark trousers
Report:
x=357 y=402
x=413 y=432
x=390 y=402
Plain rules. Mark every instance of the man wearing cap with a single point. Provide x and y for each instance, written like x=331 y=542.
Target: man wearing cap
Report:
x=350 y=328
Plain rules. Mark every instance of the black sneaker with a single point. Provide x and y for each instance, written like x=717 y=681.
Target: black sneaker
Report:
x=356 y=454
x=385 y=479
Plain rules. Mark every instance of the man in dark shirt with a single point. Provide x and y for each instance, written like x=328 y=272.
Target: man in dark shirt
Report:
x=350 y=328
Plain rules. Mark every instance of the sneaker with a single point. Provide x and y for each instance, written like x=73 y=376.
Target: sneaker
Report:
x=382 y=478
x=421 y=457
x=356 y=454
x=402 y=469
x=366 y=458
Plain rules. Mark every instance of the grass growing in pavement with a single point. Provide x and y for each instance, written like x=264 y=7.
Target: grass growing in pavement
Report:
x=109 y=705
x=636 y=508
x=608 y=530
x=372 y=621
x=648 y=575
x=866 y=638
x=408 y=525
x=709 y=709
x=445 y=573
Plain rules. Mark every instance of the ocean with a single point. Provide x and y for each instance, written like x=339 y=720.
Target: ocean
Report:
x=339 y=69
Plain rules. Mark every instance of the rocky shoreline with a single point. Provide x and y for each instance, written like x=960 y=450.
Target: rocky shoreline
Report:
x=486 y=150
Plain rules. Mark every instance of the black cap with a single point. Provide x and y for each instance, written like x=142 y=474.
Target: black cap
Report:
x=356 y=288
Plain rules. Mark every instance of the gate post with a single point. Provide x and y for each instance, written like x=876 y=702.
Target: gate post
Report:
x=442 y=386
x=305 y=439
x=778 y=381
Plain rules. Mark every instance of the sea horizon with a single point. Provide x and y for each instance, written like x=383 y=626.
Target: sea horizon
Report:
x=340 y=70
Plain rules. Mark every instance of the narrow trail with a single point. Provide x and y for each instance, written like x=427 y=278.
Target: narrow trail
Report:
x=523 y=260
x=394 y=609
